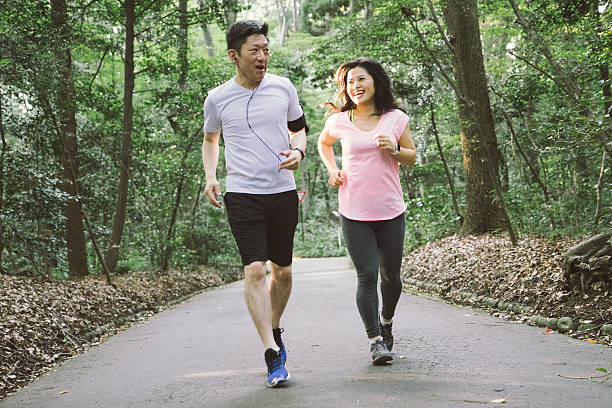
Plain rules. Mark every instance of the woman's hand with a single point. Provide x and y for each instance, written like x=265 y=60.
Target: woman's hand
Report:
x=336 y=178
x=385 y=142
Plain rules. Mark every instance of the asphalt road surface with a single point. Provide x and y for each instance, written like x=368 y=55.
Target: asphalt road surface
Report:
x=205 y=353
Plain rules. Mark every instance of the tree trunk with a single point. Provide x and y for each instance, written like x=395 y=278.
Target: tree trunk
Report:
x=533 y=170
x=75 y=236
x=479 y=143
x=230 y=18
x=369 y=9
x=112 y=253
x=282 y=21
x=599 y=189
x=604 y=76
x=304 y=175
x=296 y=16
x=181 y=131
x=208 y=40
x=2 y=155
x=451 y=185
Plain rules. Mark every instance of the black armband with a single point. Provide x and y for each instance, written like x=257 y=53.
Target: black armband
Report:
x=298 y=124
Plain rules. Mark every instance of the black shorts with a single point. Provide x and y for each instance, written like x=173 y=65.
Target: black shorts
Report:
x=263 y=225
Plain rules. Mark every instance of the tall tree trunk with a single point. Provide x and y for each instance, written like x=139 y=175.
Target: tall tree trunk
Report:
x=112 y=253
x=305 y=176
x=604 y=76
x=282 y=21
x=599 y=189
x=230 y=17
x=369 y=9
x=483 y=211
x=449 y=178
x=2 y=155
x=75 y=236
x=296 y=16
x=208 y=40
x=181 y=130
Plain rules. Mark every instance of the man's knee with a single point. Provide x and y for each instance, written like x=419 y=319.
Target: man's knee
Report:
x=281 y=274
x=255 y=271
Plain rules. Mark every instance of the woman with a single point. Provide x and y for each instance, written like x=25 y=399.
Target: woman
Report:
x=375 y=137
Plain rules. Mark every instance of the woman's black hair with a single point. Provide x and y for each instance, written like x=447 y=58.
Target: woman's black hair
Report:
x=238 y=33
x=383 y=97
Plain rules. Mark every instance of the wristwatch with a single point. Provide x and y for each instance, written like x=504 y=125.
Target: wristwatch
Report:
x=397 y=150
x=299 y=149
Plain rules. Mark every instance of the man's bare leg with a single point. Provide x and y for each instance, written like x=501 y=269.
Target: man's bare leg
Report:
x=257 y=299
x=280 y=289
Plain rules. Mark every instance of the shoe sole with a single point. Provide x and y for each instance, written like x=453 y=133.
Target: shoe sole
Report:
x=381 y=360
x=278 y=381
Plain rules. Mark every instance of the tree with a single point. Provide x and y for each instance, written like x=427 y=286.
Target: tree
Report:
x=112 y=253
x=483 y=211
x=210 y=46
x=75 y=237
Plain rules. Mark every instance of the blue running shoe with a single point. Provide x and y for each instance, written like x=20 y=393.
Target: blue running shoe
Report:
x=277 y=374
x=280 y=344
x=283 y=353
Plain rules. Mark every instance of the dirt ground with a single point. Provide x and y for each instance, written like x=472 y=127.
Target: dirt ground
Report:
x=469 y=269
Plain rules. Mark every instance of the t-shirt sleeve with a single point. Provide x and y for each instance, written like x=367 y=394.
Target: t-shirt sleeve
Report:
x=401 y=122
x=212 y=123
x=330 y=126
x=295 y=110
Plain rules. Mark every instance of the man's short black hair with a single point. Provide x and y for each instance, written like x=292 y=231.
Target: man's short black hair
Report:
x=239 y=31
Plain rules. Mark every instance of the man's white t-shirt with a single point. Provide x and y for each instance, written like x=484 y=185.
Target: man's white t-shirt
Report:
x=251 y=163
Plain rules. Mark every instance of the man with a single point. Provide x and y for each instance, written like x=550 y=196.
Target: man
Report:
x=264 y=131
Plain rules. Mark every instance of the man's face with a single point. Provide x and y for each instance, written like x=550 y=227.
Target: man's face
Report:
x=253 y=58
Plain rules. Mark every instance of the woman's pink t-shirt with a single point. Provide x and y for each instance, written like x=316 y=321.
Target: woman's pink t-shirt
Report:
x=371 y=190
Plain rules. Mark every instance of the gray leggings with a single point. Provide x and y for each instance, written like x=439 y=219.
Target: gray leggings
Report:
x=374 y=244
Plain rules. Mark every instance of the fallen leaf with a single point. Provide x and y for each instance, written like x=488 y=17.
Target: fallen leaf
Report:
x=499 y=401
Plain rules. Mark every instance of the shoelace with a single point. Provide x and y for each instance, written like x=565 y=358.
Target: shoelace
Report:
x=275 y=364
x=378 y=346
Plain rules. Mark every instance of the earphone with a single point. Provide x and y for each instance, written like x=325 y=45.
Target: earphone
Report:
x=251 y=128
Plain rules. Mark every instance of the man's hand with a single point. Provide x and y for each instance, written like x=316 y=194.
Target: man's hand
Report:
x=212 y=191
x=292 y=161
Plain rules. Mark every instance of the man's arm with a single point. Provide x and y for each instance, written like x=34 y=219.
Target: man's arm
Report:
x=210 y=158
x=297 y=152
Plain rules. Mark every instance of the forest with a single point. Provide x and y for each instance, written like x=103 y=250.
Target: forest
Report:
x=101 y=115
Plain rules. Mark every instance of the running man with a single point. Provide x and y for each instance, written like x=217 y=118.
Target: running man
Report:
x=264 y=131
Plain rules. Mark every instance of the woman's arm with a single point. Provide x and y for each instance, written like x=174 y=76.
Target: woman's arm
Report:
x=326 y=152
x=407 y=152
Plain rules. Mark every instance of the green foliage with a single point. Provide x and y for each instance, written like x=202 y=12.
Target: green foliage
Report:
x=557 y=133
x=429 y=218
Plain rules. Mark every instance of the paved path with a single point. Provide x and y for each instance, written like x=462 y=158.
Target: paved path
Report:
x=205 y=353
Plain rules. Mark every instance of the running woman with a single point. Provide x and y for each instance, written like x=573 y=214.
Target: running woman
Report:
x=264 y=131
x=375 y=137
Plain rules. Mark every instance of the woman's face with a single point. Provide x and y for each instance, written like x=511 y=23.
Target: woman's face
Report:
x=360 y=86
